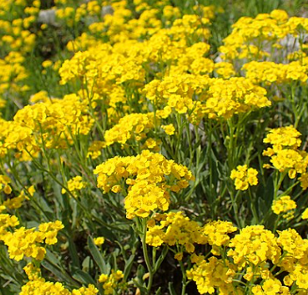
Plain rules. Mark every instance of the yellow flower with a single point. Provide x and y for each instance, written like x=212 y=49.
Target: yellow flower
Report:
x=169 y=129
x=47 y=64
x=99 y=241
x=178 y=256
x=305 y=214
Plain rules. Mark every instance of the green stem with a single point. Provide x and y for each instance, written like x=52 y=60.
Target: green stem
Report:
x=184 y=279
x=146 y=255
x=191 y=152
x=235 y=208
x=253 y=209
x=179 y=139
x=276 y=223
x=278 y=182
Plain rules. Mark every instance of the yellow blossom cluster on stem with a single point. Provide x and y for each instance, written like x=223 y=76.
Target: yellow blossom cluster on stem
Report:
x=99 y=68
x=13 y=75
x=266 y=28
x=38 y=285
x=15 y=33
x=217 y=233
x=94 y=150
x=135 y=126
x=112 y=281
x=270 y=72
x=285 y=154
x=176 y=91
x=120 y=26
x=250 y=251
x=5 y=184
x=270 y=286
x=284 y=205
x=244 y=177
x=150 y=177
x=213 y=274
x=218 y=98
x=28 y=242
x=236 y=95
x=16 y=202
x=174 y=228
x=169 y=129
x=49 y=124
x=75 y=184
x=254 y=245
x=295 y=258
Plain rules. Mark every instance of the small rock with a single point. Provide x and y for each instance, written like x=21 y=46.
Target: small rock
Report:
x=106 y=10
x=47 y=16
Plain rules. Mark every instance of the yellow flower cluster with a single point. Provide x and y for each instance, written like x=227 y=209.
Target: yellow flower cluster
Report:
x=217 y=233
x=100 y=68
x=71 y=15
x=12 y=74
x=27 y=242
x=283 y=137
x=15 y=203
x=176 y=92
x=121 y=26
x=112 y=281
x=222 y=98
x=295 y=259
x=224 y=70
x=135 y=126
x=254 y=245
x=244 y=177
x=149 y=177
x=7 y=221
x=236 y=95
x=270 y=72
x=51 y=124
x=211 y=275
x=94 y=150
x=270 y=286
x=251 y=251
x=284 y=205
x=75 y=184
x=15 y=33
x=174 y=228
x=105 y=69
x=38 y=285
x=270 y=28
x=4 y=184
x=17 y=40
x=285 y=154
